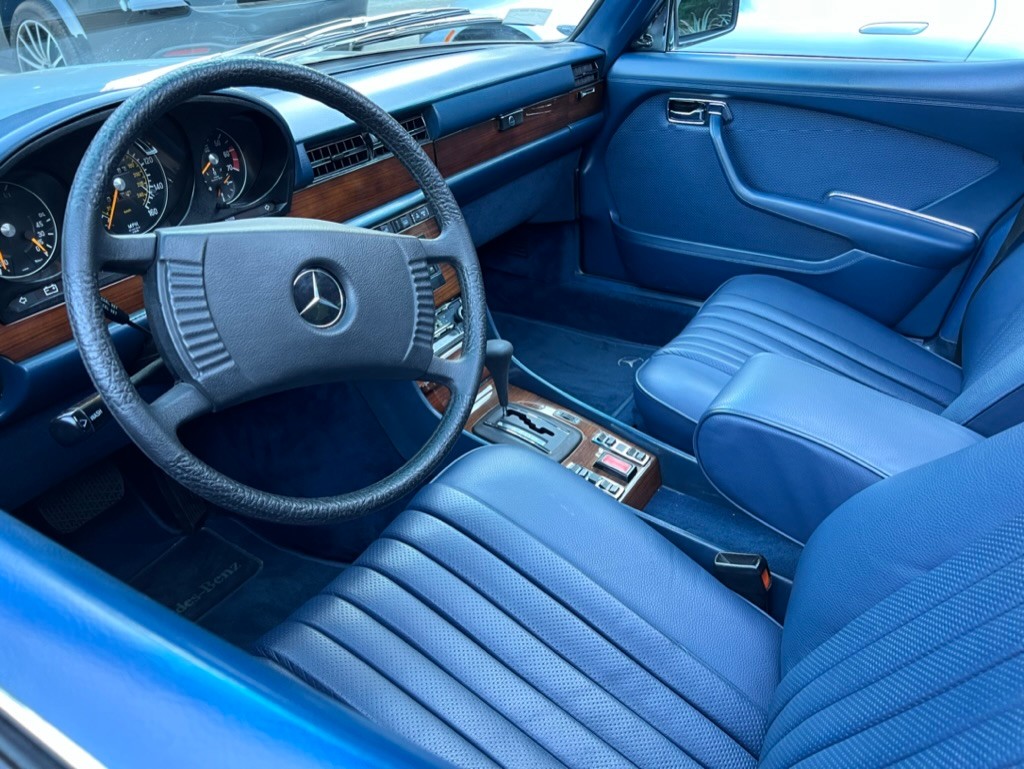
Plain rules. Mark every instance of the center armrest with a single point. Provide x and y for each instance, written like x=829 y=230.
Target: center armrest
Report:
x=789 y=442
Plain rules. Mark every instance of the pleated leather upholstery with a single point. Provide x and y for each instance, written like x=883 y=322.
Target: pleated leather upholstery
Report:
x=515 y=616
x=525 y=619
x=760 y=313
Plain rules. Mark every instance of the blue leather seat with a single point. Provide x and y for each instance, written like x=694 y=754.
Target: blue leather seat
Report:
x=516 y=616
x=758 y=313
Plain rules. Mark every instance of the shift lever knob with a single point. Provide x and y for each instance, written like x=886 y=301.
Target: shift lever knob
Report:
x=498 y=360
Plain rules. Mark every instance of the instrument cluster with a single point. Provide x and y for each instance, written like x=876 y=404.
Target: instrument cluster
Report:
x=209 y=160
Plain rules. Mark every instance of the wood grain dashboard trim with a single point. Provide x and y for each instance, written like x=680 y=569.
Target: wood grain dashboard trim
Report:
x=484 y=141
x=364 y=189
x=348 y=196
x=356 y=192
x=49 y=328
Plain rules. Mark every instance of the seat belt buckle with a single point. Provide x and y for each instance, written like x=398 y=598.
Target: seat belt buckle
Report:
x=747 y=574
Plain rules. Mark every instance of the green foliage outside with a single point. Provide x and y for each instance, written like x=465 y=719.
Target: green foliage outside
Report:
x=696 y=16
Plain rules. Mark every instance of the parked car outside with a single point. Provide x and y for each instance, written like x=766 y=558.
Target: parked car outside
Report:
x=45 y=34
x=520 y=20
x=925 y=30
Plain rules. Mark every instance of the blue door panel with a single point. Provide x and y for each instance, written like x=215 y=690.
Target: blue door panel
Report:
x=943 y=140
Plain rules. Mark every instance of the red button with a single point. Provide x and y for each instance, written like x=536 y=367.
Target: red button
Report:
x=617 y=466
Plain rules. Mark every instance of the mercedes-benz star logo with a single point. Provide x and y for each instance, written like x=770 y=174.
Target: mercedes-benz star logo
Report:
x=318 y=297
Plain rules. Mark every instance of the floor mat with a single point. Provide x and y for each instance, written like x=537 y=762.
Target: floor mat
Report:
x=596 y=369
x=196 y=574
x=286 y=581
x=725 y=527
x=232 y=582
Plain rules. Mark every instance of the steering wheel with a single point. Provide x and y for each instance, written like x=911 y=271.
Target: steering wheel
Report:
x=243 y=309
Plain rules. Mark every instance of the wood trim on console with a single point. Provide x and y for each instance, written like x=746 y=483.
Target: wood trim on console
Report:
x=427 y=229
x=638 y=491
x=49 y=328
x=450 y=288
x=476 y=144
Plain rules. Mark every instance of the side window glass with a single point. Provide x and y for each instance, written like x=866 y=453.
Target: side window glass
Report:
x=916 y=30
x=701 y=19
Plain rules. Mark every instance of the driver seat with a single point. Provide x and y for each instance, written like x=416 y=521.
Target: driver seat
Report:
x=516 y=616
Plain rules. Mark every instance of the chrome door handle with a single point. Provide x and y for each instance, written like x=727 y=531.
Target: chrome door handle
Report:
x=894 y=28
x=684 y=111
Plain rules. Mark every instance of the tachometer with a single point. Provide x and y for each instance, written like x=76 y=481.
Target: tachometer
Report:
x=28 y=233
x=223 y=167
x=138 y=193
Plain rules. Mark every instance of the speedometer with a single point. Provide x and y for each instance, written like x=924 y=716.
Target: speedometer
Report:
x=138 y=193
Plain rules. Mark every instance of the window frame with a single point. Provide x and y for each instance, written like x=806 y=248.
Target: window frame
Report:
x=675 y=42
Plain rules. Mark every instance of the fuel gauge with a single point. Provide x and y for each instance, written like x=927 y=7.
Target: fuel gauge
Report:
x=223 y=168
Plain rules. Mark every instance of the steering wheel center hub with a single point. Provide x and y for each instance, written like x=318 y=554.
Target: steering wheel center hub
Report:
x=318 y=297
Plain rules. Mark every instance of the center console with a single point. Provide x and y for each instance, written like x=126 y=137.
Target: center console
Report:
x=598 y=456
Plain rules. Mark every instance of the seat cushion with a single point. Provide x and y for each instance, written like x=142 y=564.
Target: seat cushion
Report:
x=516 y=616
x=760 y=313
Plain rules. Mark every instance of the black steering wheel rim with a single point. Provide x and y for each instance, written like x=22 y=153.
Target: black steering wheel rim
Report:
x=153 y=428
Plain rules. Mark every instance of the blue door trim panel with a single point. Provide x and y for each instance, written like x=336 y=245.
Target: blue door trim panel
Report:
x=976 y=109
x=888 y=231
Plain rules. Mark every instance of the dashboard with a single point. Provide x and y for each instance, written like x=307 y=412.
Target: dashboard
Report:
x=208 y=160
x=505 y=126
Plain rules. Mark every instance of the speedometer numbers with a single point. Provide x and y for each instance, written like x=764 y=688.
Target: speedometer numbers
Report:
x=28 y=232
x=137 y=197
x=223 y=168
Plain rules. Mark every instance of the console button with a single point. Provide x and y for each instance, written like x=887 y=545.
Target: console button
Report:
x=568 y=417
x=616 y=466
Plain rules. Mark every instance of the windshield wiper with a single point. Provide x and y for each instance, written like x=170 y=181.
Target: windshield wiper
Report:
x=357 y=31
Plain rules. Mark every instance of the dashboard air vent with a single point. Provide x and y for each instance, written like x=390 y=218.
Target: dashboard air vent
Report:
x=417 y=128
x=337 y=156
x=415 y=125
x=585 y=73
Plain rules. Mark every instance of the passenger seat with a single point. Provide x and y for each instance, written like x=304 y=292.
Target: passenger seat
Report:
x=760 y=313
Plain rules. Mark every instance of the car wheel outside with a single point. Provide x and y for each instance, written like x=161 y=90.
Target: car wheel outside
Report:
x=41 y=40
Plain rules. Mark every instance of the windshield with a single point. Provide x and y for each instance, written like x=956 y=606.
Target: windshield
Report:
x=86 y=33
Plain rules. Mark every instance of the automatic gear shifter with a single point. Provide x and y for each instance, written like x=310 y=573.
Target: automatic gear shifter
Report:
x=499 y=358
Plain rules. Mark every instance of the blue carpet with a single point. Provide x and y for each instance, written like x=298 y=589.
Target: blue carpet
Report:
x=726 y=528
x=313 y=442
x=596 y=369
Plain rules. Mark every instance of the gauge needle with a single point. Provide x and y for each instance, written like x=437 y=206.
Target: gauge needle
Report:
x=3 y=260
x=206 y=167
x=113 y=205
x=40 y=246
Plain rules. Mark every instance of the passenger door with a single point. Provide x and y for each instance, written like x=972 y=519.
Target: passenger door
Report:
x=849 y=167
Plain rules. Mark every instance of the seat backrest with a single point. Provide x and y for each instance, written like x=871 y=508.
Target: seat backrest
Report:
x=992 y=397
x=905 y=632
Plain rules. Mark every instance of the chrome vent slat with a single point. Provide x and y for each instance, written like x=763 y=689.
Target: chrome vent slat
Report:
x=342 y=155
x=336 y=156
